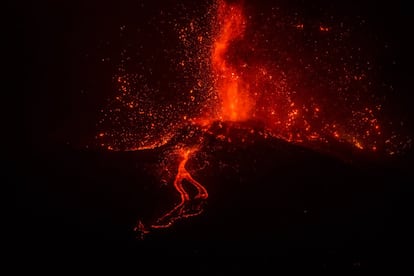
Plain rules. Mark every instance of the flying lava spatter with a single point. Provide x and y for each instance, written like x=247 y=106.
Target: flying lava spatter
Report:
x=236 y=102
x=313 y=95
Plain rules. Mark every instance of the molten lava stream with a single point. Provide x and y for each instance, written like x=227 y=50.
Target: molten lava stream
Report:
x=249 y=89
x=188 y=206
x=235 y=105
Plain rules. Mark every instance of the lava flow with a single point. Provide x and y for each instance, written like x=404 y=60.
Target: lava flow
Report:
x=188 y=206
x=308 y=93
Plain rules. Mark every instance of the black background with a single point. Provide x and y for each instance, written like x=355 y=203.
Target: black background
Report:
x=77 y=207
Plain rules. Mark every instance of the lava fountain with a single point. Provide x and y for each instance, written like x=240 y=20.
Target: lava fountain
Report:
x=313 y=97
x=236 y=103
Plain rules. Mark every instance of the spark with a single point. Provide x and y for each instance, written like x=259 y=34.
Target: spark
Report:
x=304 y=93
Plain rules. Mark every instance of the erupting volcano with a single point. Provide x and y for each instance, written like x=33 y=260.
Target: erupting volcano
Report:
x=278 y=76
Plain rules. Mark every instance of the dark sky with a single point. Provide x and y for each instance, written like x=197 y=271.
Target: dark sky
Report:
x=69 y=202
x=61 y=45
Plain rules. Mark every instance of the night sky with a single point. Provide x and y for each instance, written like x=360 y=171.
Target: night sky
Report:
x=273 y=205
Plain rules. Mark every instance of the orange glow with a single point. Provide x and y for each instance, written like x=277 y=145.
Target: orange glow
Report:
x=358 y=145
x=232 y=87
x=236 y=103
x=323 y=29
x=188 y=206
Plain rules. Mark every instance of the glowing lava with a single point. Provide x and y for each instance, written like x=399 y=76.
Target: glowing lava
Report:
x=302 y=94
x=188 y=206
x=236 y=103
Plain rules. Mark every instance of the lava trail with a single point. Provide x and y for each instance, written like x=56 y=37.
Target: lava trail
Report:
x=188 y=206
x=246 y=67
